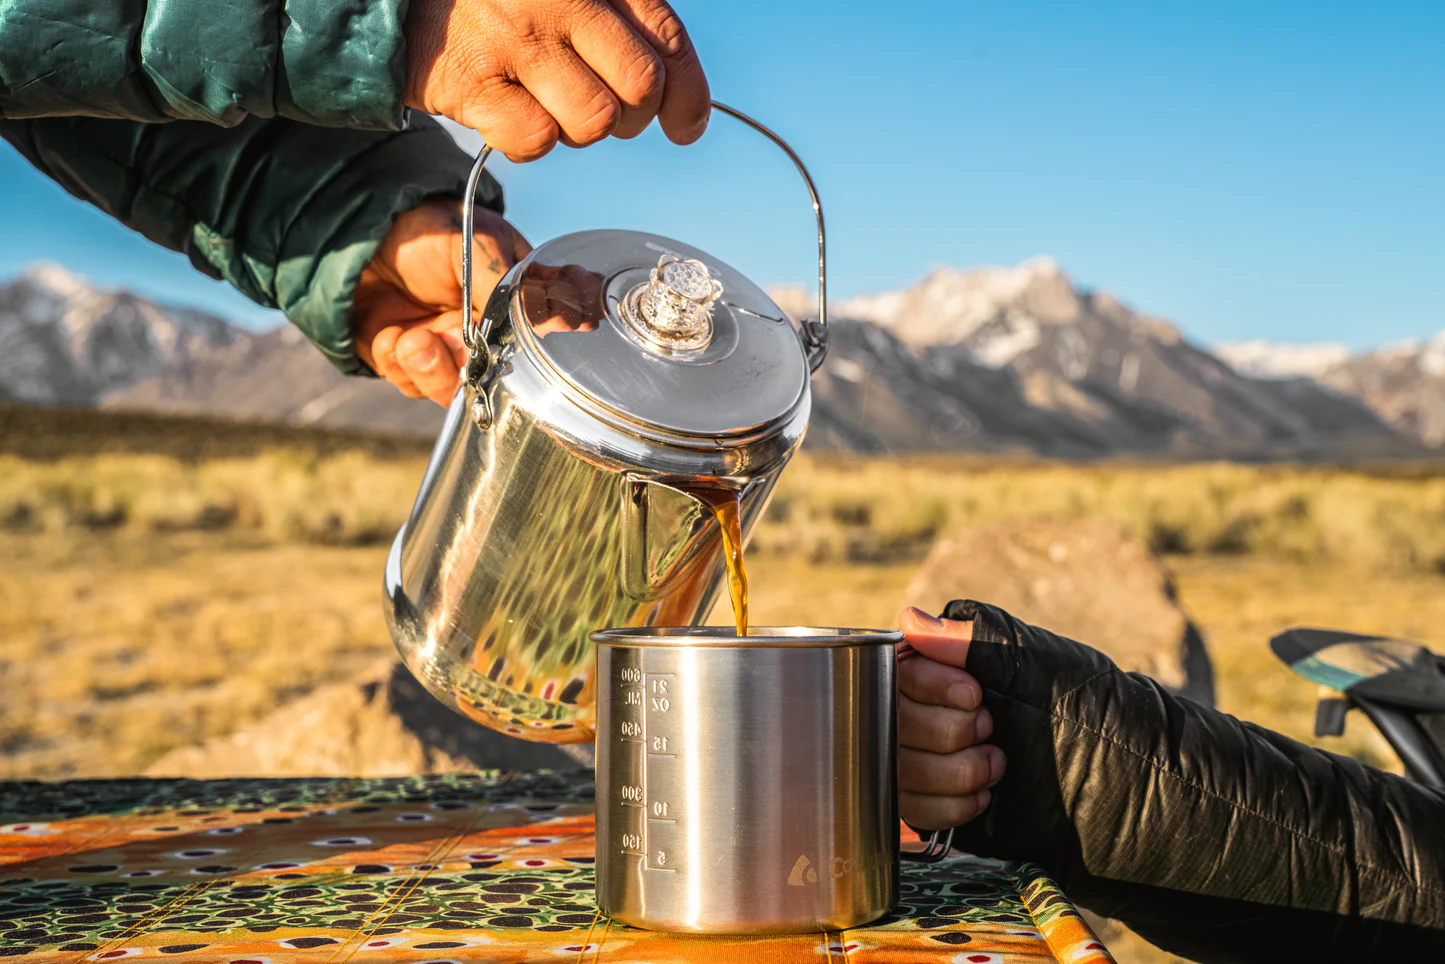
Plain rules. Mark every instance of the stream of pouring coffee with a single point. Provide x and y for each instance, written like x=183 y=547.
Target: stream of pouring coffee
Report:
x=726 y=506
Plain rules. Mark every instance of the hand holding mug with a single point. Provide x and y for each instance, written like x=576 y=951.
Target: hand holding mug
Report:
x=945 y=770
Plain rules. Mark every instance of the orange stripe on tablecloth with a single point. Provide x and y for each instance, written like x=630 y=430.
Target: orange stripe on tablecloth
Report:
x=108 y=832
x=103 y=832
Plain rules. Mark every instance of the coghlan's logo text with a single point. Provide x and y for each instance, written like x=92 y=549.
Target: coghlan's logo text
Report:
x=803 y=871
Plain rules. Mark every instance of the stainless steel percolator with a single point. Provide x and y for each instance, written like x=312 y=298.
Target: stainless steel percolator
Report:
x=748 y=784
x=610 y=372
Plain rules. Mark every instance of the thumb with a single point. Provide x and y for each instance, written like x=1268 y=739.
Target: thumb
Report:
x=941 y=640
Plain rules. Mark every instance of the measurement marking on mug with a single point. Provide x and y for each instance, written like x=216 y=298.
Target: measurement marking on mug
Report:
x=660 y=820
x=637 y=805
x=670 y=756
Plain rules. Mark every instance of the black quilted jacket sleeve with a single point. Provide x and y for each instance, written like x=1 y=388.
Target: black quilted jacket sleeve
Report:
x=1213 y=838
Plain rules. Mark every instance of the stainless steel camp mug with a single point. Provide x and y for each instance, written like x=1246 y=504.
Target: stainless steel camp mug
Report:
x=748 y=784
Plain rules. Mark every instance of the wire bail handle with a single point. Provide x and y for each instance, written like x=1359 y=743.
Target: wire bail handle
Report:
x=473 y=335
x=476 y=330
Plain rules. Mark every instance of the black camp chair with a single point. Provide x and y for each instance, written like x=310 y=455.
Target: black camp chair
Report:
x=1398 y=684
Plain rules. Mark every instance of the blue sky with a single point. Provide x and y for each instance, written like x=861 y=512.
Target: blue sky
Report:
x=1244 y=169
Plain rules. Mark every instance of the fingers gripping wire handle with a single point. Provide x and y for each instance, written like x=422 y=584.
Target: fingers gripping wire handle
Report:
x=814 y=331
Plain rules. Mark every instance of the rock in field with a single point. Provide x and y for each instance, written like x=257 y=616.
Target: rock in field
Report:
x=381 y=724
x=1086 y=579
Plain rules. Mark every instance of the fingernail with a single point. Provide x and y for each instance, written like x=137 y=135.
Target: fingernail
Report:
x=453 y=338
x=984 y=727
x=925 y=617
x=984 y=799
x=422 y=359
x=995 y=767
x=963 y=696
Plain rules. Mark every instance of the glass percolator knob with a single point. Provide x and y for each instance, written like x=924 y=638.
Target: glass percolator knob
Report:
x=673 y=310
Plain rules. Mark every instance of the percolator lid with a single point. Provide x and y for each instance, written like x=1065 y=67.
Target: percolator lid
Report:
x=659 y=333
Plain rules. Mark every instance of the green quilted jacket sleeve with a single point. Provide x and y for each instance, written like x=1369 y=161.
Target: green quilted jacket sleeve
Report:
x=288 y=213
x=337 y=63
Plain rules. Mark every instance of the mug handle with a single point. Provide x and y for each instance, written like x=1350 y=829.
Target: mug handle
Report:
x=937 y=845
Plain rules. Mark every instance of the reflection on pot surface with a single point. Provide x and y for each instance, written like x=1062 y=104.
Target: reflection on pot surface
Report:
x=558 y=299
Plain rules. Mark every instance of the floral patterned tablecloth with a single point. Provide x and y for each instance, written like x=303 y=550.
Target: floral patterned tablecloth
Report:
x=493 y=867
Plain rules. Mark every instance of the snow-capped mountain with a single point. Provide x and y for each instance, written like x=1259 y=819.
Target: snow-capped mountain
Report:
x=1403 y=382
x=1269 y=359
x=64 y=341
x=992 y=360
x=950 y=307
x=1107 y=377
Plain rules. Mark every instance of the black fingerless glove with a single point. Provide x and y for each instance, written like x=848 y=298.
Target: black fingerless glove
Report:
x=1213 y=838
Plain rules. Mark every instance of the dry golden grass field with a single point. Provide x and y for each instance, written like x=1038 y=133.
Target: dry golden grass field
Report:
x=150 y=599
x=163 y=582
